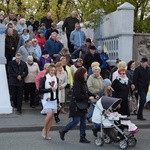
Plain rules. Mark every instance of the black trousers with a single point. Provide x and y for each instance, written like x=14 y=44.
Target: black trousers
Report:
x=17 y=94
x=30 y=90
x=70 y=46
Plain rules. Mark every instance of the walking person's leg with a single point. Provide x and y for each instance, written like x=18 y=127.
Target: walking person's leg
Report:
x=69 y=126
x=83 y=130
x=142 y=101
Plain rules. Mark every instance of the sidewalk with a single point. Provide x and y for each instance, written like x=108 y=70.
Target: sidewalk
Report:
x=32 y=120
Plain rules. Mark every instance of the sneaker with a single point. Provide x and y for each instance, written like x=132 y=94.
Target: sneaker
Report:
x=48 y=138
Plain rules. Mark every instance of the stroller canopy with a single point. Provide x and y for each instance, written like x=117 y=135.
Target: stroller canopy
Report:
x=109 y=102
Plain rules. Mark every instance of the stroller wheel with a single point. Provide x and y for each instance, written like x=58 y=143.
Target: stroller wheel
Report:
x=123 y=144
x=99 y=141
x=107 y=139
x=132 y=141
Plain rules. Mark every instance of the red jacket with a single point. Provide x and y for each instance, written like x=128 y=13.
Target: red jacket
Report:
x=41 y=41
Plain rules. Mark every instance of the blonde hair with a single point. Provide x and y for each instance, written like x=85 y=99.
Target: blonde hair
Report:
x=49 y=68
x=96 y=68
x=46 y=65
x=122 y=64
x=59 y=64
x=94 y=64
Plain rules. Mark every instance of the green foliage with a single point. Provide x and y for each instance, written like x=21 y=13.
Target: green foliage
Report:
x=89 y=11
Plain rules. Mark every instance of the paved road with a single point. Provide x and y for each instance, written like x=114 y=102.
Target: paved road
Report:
x=34 y=141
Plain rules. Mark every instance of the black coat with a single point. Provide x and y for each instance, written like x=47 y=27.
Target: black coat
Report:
x=81 y=94
x=122 y=91
x=9 y=43
x=47 y=22
x=89 y=59
x=69 y=24
x=15 y=69
x=141 y=78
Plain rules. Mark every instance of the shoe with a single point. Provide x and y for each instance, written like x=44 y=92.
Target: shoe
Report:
x=84 y=140
x=141 y=118
x=43 y=135
x=19 y=112
x=57 y=119
x=95 y=132
x=48 y=138
x=62 y=134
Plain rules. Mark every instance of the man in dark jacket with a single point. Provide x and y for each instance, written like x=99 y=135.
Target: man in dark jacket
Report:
x=141 y=79
x=69 y=24
x=90 y=57
x=17 y=71
x=47 y=20
x=10 y=45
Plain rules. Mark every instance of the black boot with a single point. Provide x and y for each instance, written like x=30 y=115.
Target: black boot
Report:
x=57 y=119
x=83 y=139
x=62 y=134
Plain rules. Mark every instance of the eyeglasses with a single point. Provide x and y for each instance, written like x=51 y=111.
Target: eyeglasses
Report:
x=122 y=73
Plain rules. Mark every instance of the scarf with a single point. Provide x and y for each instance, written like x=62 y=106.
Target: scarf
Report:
x=123 y=80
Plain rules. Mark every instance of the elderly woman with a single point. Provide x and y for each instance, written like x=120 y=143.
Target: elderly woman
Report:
x=37 y=48
x=21 y=25
x=78 y=64
x=95 y=85
x=27 y=50
x=30 y=87
x=121 y=88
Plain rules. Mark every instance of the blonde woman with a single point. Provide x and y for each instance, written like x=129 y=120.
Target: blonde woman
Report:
x=49 y=88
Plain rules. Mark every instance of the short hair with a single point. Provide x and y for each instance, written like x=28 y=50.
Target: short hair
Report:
x=27 y=30
x=34 y=40
x=9 y=24
x=42 y=24
x=26 y=41
x=64 y=49
x=80 y=60
x=30 y=58
x=121 y=70
x=59 y=64
x=62 y=58
x=53 y=34
x=94 y=64
x=122 y=64
x=22 y=20
x=96 y=68
x=79 y=75
x=18 y=55
x=88 y=40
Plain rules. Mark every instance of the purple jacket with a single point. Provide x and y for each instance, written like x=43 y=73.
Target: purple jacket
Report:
x=42 y=61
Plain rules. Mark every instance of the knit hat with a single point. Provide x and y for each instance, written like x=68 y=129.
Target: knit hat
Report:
x=45 y=52
x=144 y=59
x=92 y=47
x=99 y=48
x=106 y=82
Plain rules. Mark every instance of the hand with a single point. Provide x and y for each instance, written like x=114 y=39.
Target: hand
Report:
x=12 y=48
x=19 y=77
x=132 y=87
x=91 y=98
x=54 y=89
x=60 y=87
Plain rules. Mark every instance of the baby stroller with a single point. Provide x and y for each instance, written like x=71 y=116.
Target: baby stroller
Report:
x=111 y=125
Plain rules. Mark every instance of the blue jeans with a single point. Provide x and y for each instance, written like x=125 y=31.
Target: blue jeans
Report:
x=74 y=122
x=89 y=115
x=142 y=101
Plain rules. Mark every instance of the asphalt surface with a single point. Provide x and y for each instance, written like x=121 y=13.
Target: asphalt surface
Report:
x=32 y=120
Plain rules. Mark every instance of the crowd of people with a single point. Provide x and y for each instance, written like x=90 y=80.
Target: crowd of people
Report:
x=38 y=61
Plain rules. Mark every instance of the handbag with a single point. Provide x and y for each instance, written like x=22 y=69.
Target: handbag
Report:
x=132 y=103
x=81 y=105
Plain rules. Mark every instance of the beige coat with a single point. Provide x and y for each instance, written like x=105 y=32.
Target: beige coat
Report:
x=33 y=71
x=95 y=84
x=63 y=82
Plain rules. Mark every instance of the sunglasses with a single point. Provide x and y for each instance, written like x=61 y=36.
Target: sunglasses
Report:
x=122 y=73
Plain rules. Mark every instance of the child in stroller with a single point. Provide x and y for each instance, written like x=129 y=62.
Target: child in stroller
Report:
x=112 y=124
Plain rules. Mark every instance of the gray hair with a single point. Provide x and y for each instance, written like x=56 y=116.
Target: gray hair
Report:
x=30 y=58
x=18 y=55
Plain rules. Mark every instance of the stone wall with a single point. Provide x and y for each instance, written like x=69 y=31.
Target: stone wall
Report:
x=141 y=46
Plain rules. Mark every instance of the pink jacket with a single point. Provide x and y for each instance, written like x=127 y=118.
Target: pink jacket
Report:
x=38 y=77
